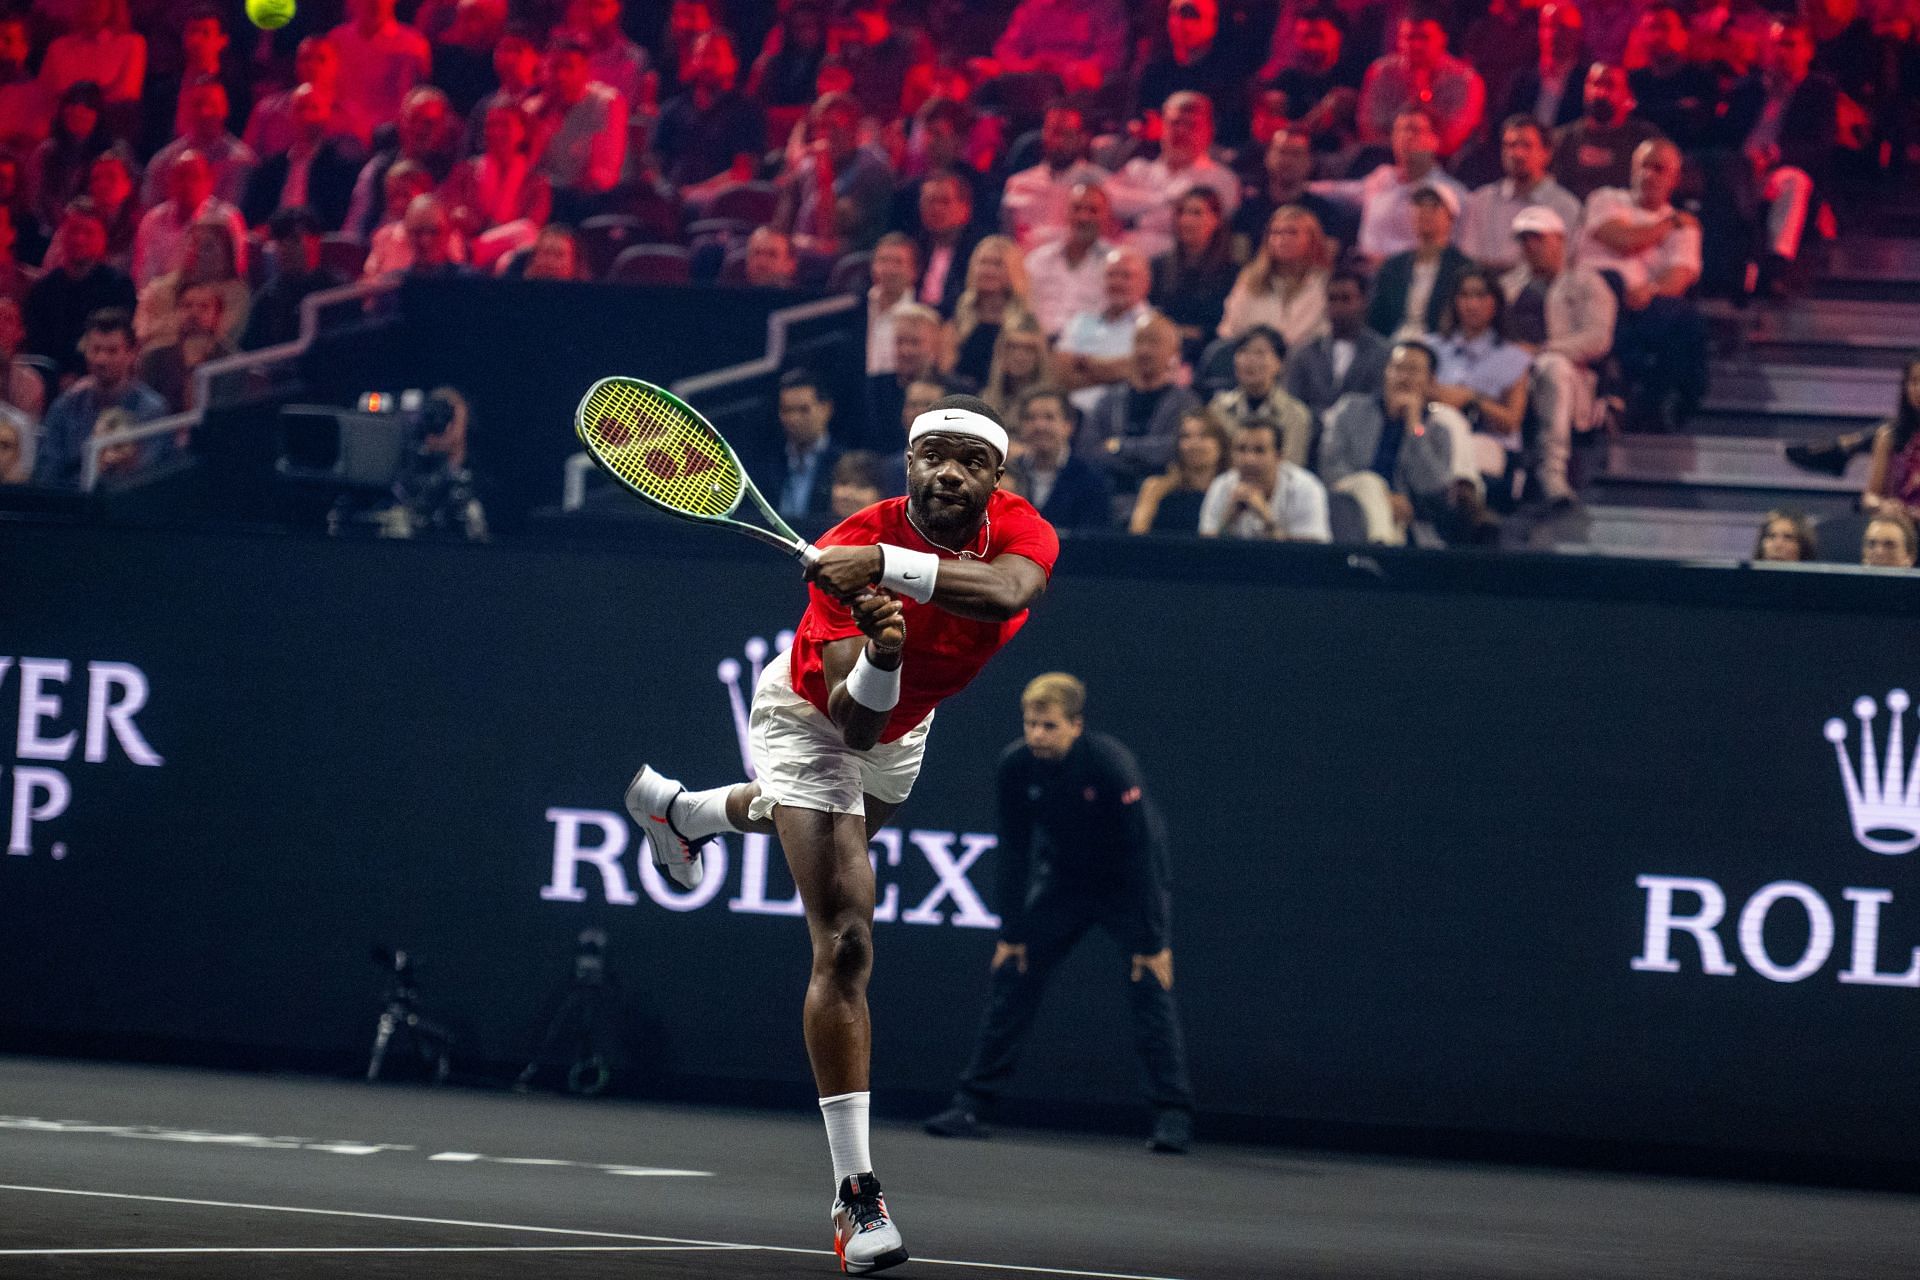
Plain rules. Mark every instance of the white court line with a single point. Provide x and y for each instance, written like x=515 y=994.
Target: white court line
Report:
x=418 y=1248
x=559 y=1231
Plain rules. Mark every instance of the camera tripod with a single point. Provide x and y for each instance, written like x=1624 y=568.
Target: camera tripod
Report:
x=430 y=1041
x=583 y=1025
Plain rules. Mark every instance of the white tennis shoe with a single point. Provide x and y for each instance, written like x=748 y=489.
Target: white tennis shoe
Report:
x=863 y=1233
x=649 y=798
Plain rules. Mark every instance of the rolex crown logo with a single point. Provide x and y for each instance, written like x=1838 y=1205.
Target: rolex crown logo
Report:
x=740 y=692
x=1883 y=798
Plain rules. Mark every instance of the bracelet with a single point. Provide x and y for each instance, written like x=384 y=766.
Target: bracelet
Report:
x=872 y=688
x=908 y=573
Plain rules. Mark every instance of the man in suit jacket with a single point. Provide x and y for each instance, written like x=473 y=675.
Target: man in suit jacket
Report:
x=1433 y=267
x=1403 y=456
x=326 y=163
x=1348 y=359
x=1551 y=90
x=1131 y=431
x=1069 y=492
x=946 y=240
x=796 y=473
x=1793 y=143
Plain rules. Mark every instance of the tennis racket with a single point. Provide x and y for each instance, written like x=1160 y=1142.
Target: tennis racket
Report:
x=661 y=449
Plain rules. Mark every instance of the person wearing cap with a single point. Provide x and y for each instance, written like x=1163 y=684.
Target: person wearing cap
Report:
x=909 y=599
x=1412 y=289
x=1565 y=312
x=1384 y=197
x=1486 y=218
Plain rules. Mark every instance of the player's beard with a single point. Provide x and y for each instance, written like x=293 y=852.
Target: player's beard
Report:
x=952 y=524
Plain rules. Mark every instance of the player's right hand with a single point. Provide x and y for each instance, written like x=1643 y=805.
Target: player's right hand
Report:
x=881 y=619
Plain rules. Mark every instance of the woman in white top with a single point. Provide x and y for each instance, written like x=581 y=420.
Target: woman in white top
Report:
x=1285 y=285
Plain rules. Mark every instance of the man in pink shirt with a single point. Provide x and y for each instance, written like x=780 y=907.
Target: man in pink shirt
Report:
x=580 y=132
x=92 y=50
x=380 y=59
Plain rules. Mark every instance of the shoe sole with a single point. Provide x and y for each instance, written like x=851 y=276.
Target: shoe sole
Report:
x=891 y=1258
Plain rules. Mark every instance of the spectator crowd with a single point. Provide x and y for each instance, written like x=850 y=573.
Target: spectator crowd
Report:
x=1246 y=268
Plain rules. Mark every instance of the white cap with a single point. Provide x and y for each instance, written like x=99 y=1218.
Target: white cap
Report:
x=1539 y=218
x=959 y=422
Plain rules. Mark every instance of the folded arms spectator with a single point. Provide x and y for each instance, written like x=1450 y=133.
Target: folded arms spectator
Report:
x=1145 y=190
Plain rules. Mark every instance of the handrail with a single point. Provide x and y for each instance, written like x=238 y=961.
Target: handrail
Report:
x=239 y=362
x=574 y=473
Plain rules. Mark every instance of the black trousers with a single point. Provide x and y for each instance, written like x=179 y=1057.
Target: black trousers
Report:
x=1057 y=919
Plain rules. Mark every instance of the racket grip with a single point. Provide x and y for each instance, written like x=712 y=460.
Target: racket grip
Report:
x=809 y=554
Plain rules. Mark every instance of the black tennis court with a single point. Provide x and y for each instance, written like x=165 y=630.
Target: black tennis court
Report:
x=140 y=1171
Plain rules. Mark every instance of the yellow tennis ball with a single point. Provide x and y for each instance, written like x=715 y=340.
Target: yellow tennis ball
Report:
x=269 y=15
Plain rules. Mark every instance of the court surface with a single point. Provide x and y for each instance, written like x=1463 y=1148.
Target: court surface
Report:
x=158 y=1172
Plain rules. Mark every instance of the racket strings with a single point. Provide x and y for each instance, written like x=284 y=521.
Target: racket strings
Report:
x=656 y=448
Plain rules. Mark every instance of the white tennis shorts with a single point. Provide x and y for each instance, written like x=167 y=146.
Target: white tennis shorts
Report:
x=801 y=760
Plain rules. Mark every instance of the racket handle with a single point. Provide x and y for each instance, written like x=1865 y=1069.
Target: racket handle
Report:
x=809 y=555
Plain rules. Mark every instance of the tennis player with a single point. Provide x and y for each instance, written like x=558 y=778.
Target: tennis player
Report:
x=909 y=599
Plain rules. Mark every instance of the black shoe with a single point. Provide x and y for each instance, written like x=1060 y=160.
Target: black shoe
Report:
x=957 y=1121
x=1828 y=459
x=1172 y=1133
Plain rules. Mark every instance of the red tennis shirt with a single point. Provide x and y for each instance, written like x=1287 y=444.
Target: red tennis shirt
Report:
x=944 y=651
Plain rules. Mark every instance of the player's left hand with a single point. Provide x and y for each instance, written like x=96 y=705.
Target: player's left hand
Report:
x=845 y=572
x=1159 y=964
x=881 y=619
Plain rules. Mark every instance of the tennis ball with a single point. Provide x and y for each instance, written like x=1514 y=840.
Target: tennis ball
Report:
x=269 y=15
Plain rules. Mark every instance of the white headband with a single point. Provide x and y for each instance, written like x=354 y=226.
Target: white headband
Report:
x=959 y=422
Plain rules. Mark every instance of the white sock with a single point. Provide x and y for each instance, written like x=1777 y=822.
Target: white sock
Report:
x=846 y=1117
x=699 y=814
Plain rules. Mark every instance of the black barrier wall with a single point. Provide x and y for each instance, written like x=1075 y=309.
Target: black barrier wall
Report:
x=1542 y=849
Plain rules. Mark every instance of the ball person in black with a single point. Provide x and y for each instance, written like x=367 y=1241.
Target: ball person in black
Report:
x=1081 y=844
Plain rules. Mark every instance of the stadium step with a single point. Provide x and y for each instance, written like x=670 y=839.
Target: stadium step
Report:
x=1805 y=390
x=1878 y=259
x=1823 y=331
x=1659 y=532
x=1727 y=462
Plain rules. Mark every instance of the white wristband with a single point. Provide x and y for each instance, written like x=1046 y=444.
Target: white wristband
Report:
x=872 y=688
x=908 y=573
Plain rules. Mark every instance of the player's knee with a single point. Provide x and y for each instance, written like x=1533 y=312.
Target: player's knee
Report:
x=849 y=955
